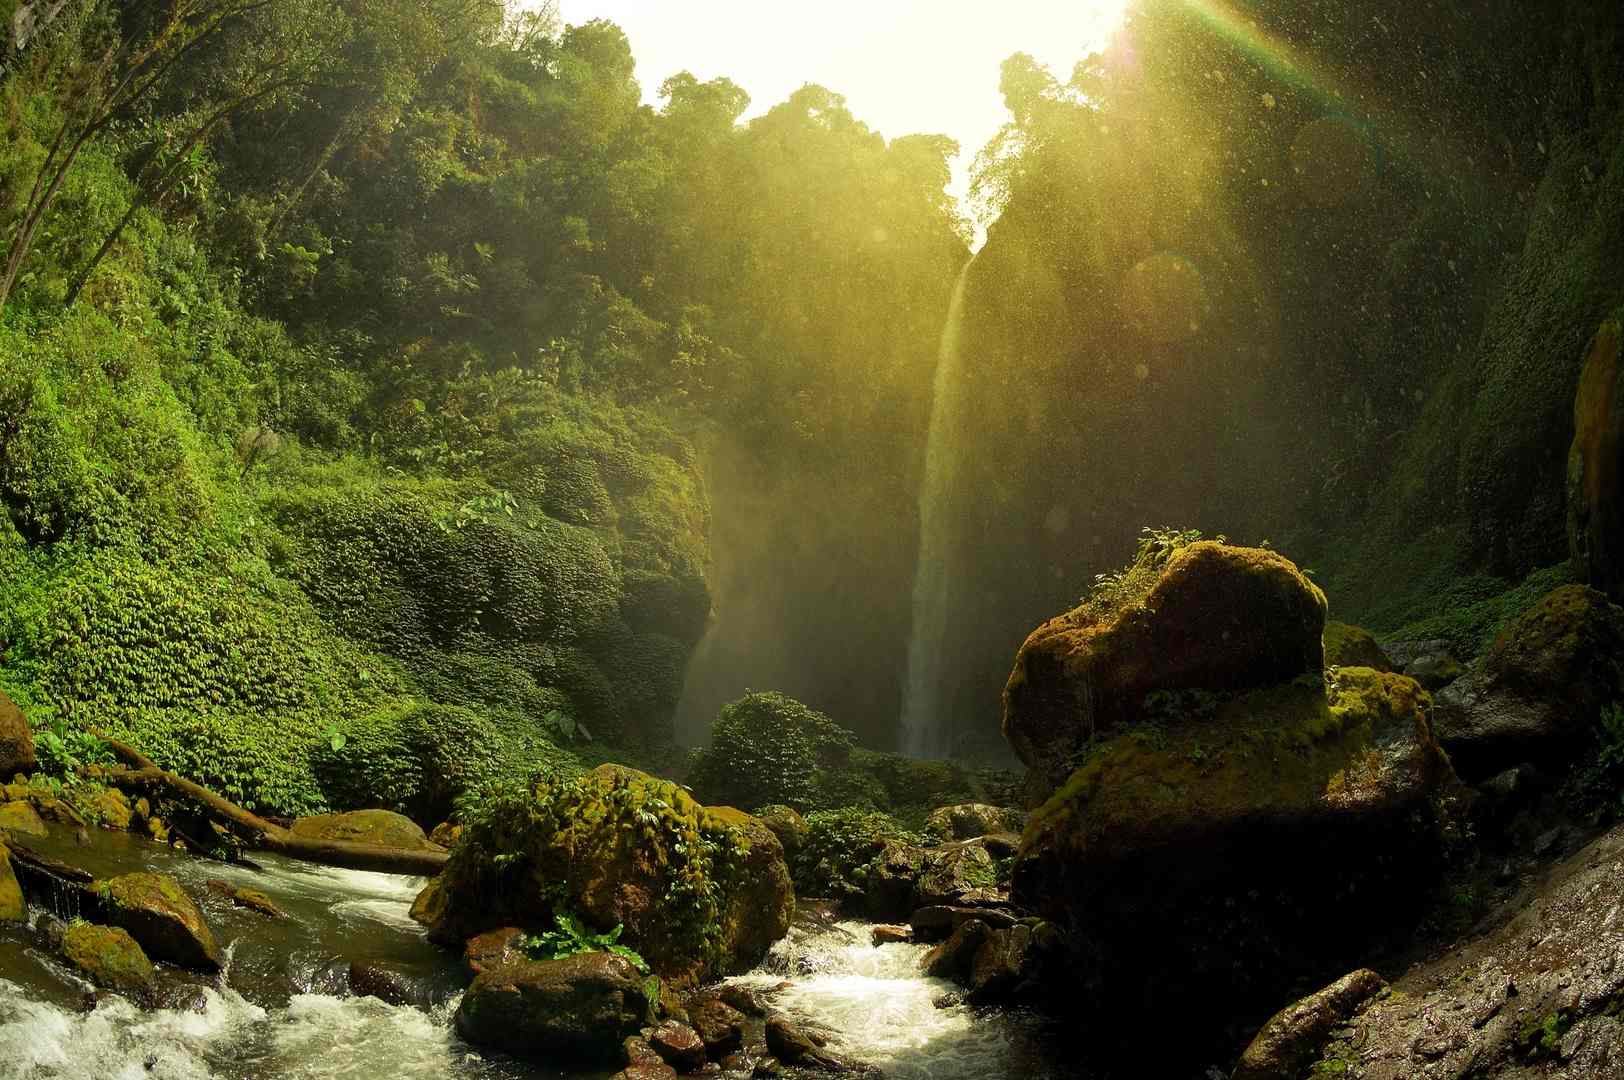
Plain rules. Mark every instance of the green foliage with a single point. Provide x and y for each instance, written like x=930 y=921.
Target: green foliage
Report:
x=63 y=752
x=1118 y=588
x=767 y=747
x=572 y=939
x=839 y=848
x=1469 y=610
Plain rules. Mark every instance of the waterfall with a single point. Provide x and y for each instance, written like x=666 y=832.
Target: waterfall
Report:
x=925 y=732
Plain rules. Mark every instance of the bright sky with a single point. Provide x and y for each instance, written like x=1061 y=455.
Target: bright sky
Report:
x=905 y=66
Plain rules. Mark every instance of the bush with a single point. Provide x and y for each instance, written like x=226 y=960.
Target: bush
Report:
x=839 y=848
x=766 y=748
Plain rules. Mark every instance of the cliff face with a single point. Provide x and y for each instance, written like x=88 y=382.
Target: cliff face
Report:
x=1250 y=292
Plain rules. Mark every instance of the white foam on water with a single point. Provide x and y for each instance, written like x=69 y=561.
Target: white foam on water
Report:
x=879 y=1009
x=319 y=1037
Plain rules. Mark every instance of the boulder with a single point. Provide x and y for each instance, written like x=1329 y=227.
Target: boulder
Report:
x=108 y=956
x=952 y=959
x=111 y=808
x=492 y=949
x=1297 y=1033
x=1539 y=690
x=792 y=1046
x=890 y=889
x=1225 y=849
x=445 y=834
x=383 y=828
x=248 y=899
x=21 y=818
x=639 y=1052
x=618 y=847
x=720 y=1026
x=967 y=821
x=1217 y=619
x=580 y=1007
x=678 y=1045
x=887 y=934
x=387 y=982
x=157 y=913
x=938 y=923
x=1434 y=670
x=1537 y=996
x=788 y=825
x=1596 y=466
x=961 y=874
x=1347 y=645
x=16 y=740
x=12 y=907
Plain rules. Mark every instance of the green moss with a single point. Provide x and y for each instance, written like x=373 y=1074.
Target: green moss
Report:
x=838 y=852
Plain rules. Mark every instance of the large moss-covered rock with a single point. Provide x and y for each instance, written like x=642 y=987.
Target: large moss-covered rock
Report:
x=108 y=956
x=383 y=828
x=21 y=818
x=1218 y=618
x=1540 y=688
x=1234 y=854
x=158 y=914
x=581 y=1007
x=16 y=740
x=1347 y=645
x=700 y=891
x=1596 y=466
x=12 y=907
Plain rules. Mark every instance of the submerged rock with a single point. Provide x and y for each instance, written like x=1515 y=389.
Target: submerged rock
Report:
x=1539 y=690
x=1217 y=619
x=108 y=956
x=16 y=740
x=386 y=982
x=158 y=914
x=580 y=1007
x=250 y=899
x=383 y=828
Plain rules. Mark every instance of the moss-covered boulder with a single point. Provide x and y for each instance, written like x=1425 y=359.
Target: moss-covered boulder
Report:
x=700 y=891
x=1295 y=1035
x=21 y=818
x=1538 y=692
x=788 y=825
x=111 y=808
x=383 y=828
x=967 y=821
x=108 y=956
x=12 y=907
x=1216 y=619
x=158 y=914
x=1347 y=645
x=16 y=740
x=1233 y=855
x=1596 y=466
x=581 y=1007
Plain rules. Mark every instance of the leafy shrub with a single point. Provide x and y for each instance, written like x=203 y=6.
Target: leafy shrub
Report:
x=572 y=939
x=839 y=848
x=766 y=748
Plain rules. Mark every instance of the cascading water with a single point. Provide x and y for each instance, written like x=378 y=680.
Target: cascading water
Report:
x=924 y=731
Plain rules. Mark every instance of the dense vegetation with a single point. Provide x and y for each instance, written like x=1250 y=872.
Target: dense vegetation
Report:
x=358 y=365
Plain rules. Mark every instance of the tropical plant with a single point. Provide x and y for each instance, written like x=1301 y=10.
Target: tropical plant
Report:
x=572 y=938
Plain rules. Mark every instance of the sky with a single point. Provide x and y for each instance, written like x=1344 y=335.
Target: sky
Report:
x=905 y=66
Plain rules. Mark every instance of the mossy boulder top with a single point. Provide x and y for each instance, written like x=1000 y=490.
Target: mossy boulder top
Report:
x=699 y=890
x=1218 y=618
x=16 y=740
x=1295 y=826
x=12 y=906
x=108 y=956
x=1347 y=645
x=158 y=914
x=381 y=828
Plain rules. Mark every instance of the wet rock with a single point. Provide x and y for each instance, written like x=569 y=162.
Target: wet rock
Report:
x=16 y=740
x=1536 y=996
x=951 y=999
x=1005 y=966
x=884 y=934
x=445 y=834
x=430 y=907
x=184 y=997
x=21 y=818
x=108 y=956
x=1434 y=670
x=1347 y=645
x=386 y=982
x=952 y=958
x=647 y=1070
x=158 y=914
x=580 y=1007
x=112 y=808
x=938 y=923
x=792 y=1046
x=766 y=1067
x=1540 y=688
x=679 y=1045
x=742 y=998
x=1217 y=619
x=250 y=899
x=719 y=1024
x=12 y=906
x=962 y=874
x=639 y=1052
x=1297 y=1033
x=967 y=821
x=492 y=949
x=383 y=828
